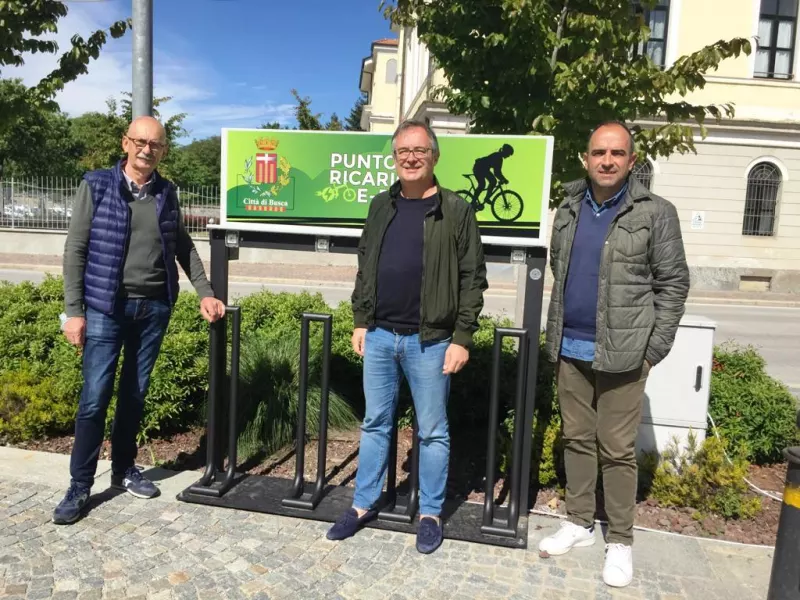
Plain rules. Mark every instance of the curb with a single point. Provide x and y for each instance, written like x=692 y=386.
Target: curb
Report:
x=744 y=302
x=34 y=267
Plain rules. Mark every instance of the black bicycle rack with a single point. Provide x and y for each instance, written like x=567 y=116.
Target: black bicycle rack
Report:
x=298 y=498
x=401 y=510
x=208 y=485
x=489 y=524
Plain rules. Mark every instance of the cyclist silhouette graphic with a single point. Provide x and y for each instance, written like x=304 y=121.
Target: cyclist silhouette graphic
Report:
x=506 y=204
x=489 y=169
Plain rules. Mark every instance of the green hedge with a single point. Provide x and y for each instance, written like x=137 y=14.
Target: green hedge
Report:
x=754 y=412
x=33 y=407
x=37 y=351
x=36 y=357
x=40 y=380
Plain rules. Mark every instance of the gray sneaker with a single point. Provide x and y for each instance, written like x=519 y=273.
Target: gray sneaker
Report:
x=134 y=483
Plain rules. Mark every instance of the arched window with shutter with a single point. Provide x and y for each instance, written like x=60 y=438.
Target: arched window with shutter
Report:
x=391 y=71
x=761 y=202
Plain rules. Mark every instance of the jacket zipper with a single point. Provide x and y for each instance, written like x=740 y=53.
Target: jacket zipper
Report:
x=128 y=227
x=422 y=283
x=573 y=226
x=377 y=260
x=164 y=197
x=604 y=265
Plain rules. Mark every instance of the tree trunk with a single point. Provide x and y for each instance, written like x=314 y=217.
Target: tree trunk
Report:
x=559 y=34
x=554 y=57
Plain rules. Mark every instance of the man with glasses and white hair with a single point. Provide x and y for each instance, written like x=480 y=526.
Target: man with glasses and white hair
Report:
x=417 y=297
x=120 y=284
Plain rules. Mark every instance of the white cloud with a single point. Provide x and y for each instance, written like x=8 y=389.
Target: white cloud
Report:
x=208 y=119
x=189 y=82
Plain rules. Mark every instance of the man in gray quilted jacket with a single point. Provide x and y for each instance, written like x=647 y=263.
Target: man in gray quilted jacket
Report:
x=621 y=282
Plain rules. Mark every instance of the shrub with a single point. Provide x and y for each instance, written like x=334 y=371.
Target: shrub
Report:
x=470 y=389
x=268 y=310
x=178 y=385
x=269 y=392
x=753 y=411
x=346 y=366
x=29 y=325
x=41 y=373
x=702 y=478
x=31 y=407
x=547 y=452
x=35 y=350
x=750 y=408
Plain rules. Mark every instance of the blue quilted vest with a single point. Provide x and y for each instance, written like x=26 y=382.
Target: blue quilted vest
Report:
x=110 y=232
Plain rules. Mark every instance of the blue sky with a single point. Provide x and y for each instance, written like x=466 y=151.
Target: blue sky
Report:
x=227 y=62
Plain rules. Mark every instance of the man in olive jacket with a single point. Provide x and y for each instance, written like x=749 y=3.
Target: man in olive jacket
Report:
x=620 y=287
x=417 y=297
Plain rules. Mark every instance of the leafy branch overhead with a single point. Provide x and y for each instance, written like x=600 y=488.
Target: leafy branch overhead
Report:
x=560 y=67
x=26 y=25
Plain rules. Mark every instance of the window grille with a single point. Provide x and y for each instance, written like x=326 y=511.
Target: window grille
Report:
x=643 y=173
x=763 y=184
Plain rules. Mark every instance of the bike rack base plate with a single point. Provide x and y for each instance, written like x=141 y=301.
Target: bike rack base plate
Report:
x=258 y=493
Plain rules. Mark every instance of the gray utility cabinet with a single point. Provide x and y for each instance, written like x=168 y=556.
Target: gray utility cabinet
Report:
x=678 y=388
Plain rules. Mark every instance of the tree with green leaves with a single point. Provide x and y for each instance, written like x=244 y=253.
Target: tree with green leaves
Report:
x=197 y=163
x=24 y=23
x=353 y=121
x=303 y=115
x=100 y=134
x=313 y=121
x=334 y=124
x=39 y=142
x=559 y=67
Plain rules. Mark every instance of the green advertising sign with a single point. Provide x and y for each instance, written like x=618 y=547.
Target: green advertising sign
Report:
x=321 y=182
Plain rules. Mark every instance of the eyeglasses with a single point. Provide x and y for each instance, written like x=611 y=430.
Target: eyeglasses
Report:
x=140 y=143
x=418 y=152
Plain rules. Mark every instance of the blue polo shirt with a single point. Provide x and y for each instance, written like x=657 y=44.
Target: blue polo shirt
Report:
x=580 y=289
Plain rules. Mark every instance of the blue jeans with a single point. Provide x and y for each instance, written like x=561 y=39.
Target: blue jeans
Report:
x=139 y=326
x=387 y=357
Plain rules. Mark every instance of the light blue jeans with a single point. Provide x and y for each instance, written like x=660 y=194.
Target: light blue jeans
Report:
x=387 y=358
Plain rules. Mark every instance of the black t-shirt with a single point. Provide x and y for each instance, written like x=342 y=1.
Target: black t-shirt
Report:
x=400 y=265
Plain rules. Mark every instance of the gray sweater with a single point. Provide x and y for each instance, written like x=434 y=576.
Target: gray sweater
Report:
x=144 y=274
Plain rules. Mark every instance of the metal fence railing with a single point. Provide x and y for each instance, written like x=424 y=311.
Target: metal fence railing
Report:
x=199 y=204
x=46 y=203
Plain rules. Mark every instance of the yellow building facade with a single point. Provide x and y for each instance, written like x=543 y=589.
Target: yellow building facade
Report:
x=379 y=81
x=739 y=196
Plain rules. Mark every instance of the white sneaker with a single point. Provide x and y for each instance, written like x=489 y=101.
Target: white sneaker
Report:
x=565 y=539
x=618 y=569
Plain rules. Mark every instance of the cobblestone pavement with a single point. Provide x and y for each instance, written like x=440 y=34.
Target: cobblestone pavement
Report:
x=129 y=548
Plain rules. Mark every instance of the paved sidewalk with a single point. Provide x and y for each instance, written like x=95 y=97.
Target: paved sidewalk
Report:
x=162 y=548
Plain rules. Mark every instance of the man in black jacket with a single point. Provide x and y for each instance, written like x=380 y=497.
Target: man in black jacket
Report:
x=417 y=297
